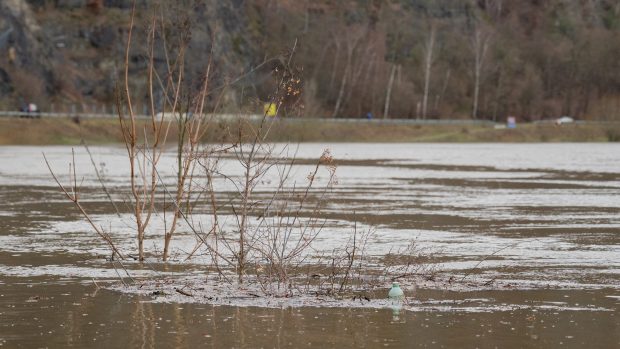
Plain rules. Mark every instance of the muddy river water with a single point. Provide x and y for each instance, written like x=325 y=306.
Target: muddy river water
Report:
x=532 y=230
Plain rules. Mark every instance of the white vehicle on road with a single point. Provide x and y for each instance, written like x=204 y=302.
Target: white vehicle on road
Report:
x=564 y=120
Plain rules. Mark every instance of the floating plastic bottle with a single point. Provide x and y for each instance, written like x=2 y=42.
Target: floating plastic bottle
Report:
x=396 y=294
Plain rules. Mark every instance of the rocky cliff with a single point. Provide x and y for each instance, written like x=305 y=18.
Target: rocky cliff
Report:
x=67 y=53
x=27 y=56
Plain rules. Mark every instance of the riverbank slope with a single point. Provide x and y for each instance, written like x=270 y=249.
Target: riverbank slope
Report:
x=14 y=131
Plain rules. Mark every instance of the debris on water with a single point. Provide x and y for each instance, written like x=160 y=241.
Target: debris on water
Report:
x=362 y=297
x=158 y=293
x=396 y=294
x=183 y=292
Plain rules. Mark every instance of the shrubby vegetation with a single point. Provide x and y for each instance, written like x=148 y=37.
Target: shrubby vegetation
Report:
x=254 y=219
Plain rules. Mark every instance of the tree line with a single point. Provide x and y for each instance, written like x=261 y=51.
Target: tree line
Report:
x=480 y=59
x=468 y=59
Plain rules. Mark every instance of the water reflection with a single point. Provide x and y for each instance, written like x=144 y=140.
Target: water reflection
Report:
x=144 y=323
x=396 y=309
x=70 y=315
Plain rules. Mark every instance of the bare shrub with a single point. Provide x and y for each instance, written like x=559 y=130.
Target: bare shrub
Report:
x=408 y=262
x=276 y=217
x=73 y=195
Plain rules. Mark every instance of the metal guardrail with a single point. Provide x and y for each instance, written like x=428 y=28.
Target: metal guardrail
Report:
x=23 y=114
x=168 y=116
x=403 y=121
x=297 y=119
x=256 y=116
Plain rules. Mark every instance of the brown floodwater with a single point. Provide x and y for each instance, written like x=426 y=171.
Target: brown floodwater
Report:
x=533 y=230
x=40 y=313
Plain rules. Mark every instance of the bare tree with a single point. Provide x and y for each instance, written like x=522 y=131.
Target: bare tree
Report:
x=73 y=194
x=480 y=44
x=352 y=40
x=444 y=87
x=428 y=64
x=141 y=164
x=145 y=146
x=388 y=93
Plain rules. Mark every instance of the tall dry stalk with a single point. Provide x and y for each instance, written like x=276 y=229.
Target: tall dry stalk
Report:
x=73 y=194
x=255 y=157
x=191 y=123
x=191 y=129
x=144 y=154
x=273 y=233
x=269 y=231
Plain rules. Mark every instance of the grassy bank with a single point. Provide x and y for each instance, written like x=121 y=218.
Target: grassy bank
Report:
x=65 y=131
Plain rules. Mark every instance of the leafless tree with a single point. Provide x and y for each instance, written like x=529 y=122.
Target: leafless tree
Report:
x=144 y=187
x=388 y=93
x=428 y=64
x=480 y=44
x=351 y=39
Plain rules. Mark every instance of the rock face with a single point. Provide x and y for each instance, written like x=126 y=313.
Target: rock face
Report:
x=20 y=31
x=26 y=56
x=19 y=10
x=5 y=83
x=70 y=52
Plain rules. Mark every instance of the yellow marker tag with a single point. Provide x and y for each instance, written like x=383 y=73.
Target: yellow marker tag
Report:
x=270 y=109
